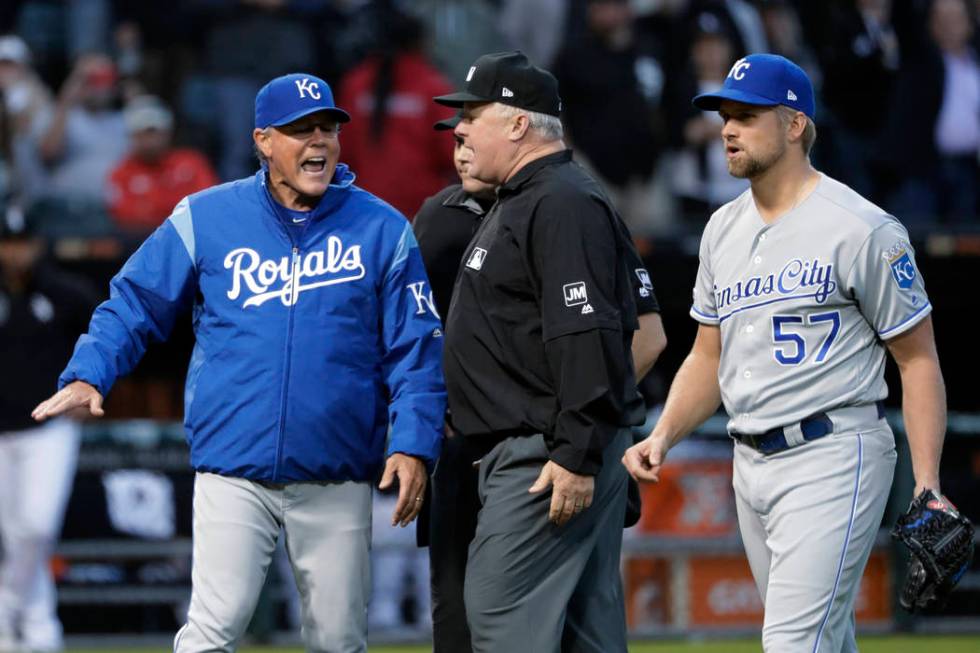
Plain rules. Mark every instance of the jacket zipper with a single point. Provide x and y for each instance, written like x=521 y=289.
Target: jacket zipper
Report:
x=294 y=295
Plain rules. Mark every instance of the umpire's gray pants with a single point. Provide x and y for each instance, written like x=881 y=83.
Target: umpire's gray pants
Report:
x=531 y=586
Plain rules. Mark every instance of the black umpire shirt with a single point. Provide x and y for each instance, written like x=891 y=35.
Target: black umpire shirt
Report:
x=443 y=228
x=447 y=221
x=539 y=331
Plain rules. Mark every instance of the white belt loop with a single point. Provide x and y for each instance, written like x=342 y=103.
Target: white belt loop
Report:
x=794 y=435
x=851 y=418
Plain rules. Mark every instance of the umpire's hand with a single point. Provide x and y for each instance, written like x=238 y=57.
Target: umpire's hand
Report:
x=412 y=478
x=76 y=394
x=571 y=495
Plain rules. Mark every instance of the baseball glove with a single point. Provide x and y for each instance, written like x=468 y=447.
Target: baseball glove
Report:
x=940 y=540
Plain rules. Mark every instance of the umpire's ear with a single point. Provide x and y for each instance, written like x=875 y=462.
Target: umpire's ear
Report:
x=517 y=126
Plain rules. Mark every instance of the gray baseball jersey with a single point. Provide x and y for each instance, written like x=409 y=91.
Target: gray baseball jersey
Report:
x=804 y=304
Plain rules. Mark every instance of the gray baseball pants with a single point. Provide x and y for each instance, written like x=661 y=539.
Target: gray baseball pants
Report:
x=328 y=535
x=535 y=587
x=809 y=517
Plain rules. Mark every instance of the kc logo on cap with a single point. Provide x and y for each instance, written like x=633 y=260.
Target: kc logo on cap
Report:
x=738 y=70
x=293 y=96
x=765 y=80
x=305 y=86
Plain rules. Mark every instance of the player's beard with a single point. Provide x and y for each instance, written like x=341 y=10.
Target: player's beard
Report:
x=750 y=167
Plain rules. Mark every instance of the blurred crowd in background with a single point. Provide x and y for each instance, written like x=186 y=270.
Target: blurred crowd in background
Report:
x=111 y=111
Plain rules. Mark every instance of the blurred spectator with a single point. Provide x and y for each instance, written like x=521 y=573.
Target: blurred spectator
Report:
x=389 y=143
x=154 y=45
x=42 y=312
x=61 y=31
x=6 y=157
x=611 y=86
x=681 y=22
x=859 y=55
x=933 y=135
x=700 y=178
x=739 y=18
x=248 y=43
x=784 y=33
x=85 y=135
x=461 y=31
x=146 y=185
x=748 y=24
x=128 y=50
x=535 y=27
x=27 y=101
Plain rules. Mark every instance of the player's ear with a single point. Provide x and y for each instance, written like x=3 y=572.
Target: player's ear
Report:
x=796 y=126
x=261 y=138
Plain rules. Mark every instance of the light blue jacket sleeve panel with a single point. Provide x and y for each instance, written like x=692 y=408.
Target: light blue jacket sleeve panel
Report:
x=412 y=336
x=155 y=285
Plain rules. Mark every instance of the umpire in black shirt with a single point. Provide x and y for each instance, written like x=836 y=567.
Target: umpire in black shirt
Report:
x=538 y=369
x=443 y=227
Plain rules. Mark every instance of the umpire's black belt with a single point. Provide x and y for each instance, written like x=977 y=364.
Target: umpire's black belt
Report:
x=811 y=428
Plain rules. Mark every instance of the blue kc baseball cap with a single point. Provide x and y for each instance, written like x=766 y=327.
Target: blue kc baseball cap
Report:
x=765 y=80
x=293 y=96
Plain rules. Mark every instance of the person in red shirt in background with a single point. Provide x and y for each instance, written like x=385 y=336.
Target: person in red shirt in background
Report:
x=389 y=143
x=154 y=176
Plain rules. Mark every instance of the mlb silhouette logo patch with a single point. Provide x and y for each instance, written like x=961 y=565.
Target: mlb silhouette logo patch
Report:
x=475 y=261
x=575 y=293
x=646 y=284
x=903 y=271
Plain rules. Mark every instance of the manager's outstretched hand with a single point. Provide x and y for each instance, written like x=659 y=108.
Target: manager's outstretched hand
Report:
x=76 y=394
x=644 y=459
x=412 y=479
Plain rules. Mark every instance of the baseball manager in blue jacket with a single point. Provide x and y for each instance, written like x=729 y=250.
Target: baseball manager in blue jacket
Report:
x=315 y=332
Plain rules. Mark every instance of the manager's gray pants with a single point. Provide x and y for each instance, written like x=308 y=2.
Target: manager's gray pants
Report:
x=535 y=587
x=237 y=522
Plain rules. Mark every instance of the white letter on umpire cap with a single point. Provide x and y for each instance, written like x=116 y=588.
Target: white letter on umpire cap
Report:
x=306 y=86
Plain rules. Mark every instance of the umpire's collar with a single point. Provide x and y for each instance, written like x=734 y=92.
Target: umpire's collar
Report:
x=524 y=175
x=460 y=199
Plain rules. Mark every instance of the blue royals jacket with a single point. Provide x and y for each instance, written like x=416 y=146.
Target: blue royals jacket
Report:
x=309 y=341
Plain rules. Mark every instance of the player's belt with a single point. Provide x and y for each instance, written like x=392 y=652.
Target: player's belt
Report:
x=808 y=429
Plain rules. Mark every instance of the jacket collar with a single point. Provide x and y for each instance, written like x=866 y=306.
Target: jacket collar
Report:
x=337 y=192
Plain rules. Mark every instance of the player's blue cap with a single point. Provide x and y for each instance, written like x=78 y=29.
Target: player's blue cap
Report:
x=766 y=80
x=293 y=96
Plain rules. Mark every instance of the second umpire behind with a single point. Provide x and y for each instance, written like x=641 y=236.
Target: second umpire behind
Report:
x=538 y=369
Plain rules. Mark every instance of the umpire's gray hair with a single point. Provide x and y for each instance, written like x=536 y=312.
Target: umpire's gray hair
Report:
x=546 y=126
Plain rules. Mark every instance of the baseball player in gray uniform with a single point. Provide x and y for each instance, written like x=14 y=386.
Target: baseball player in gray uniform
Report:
x=803 y=285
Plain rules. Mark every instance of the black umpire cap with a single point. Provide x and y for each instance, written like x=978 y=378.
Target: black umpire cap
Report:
x=448 y=123
x=508 y=78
